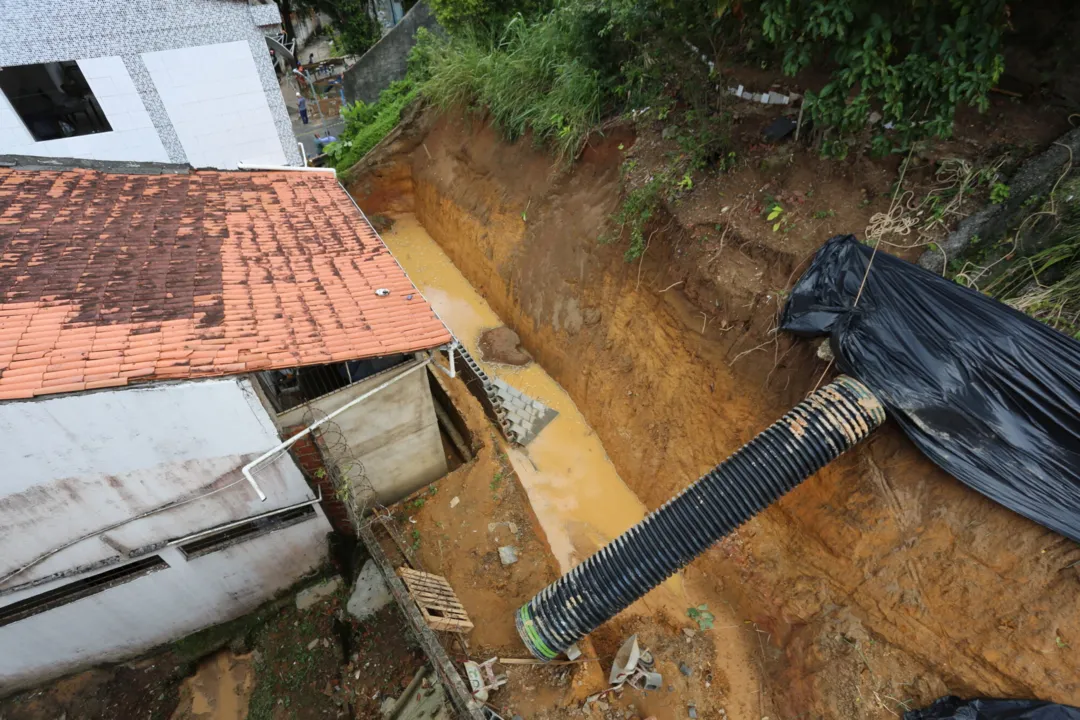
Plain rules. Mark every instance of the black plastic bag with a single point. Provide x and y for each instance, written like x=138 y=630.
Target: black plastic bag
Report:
x=987 y=393
x=953 y=708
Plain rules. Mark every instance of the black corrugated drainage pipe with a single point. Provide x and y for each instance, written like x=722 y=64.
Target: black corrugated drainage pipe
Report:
x=815 y=432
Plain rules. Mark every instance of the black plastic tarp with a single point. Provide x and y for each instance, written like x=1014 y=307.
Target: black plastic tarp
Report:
x=953 y=708
x=987 y=393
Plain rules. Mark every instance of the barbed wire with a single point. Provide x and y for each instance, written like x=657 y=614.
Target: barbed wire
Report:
x=346 y=471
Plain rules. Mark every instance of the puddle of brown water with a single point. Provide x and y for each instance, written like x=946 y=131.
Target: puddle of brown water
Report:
x=575 y=491
x=219 y=690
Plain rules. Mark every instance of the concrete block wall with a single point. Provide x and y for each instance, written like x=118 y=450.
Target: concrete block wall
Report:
x=385 y=62
x=523 y=417
x=517 y=415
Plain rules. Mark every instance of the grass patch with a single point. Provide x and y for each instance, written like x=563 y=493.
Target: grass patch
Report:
x=531 y=78
x=1045 y=282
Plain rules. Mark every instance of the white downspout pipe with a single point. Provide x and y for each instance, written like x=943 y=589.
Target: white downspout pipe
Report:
x=247 y=470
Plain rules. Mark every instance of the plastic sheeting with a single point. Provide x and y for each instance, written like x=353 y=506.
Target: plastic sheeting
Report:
x=953 y=708
x=987 y=393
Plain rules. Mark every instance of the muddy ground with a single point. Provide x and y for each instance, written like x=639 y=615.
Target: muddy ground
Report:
x=875 y=586
x=279 y=663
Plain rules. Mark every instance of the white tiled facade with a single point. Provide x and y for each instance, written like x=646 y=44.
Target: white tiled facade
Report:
x=221 y=60
x=133 y=135
x=220 y=119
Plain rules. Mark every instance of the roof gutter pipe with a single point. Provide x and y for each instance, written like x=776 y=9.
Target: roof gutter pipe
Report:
x=292 y=168
x=275 y=451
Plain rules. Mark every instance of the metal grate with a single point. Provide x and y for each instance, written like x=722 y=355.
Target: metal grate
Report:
x=79 y=589
x=246 y=531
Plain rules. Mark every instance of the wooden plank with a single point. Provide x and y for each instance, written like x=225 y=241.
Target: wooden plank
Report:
x=455 y=610
x=434 y=584
x=441 y=597
x=448 y=625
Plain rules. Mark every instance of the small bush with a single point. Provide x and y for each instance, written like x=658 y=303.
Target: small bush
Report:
x=366 y=125
x=471 y=16
x=913 y=60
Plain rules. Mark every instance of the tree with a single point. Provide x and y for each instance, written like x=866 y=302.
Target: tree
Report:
x=285 y=7
x=353 y=20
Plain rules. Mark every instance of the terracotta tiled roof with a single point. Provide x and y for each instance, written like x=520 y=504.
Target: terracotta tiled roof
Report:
x=107 y=279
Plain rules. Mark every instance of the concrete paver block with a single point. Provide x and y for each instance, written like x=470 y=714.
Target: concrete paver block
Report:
x=317 y=593
x=370 y=593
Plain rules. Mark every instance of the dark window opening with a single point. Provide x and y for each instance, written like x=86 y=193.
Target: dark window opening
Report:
x=53 y=100
x=246 y=531
x=79 y=589
x=296 y=386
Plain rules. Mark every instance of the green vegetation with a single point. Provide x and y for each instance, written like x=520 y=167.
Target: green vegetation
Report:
x=534 y=77
x=555 y=70
x=999 y=193
x=459 y=16
x=702 y=617
x=914 y=61
x=1037 y=271
x=354 y=26
x=366 y=125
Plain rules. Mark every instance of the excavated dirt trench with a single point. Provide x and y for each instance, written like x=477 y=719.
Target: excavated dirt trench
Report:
x=878 y=584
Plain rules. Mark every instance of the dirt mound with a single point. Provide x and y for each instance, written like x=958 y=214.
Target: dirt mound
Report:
x=877 y=584
x=502 y=345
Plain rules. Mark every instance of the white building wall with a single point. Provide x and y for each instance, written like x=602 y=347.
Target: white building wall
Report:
x=133 y=135
x=134 y=617
x=38 y=31
x=217 y=105
x=75 y=465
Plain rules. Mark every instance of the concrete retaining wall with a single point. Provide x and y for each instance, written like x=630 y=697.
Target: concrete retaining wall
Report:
x=394 y=433
x=385 y=61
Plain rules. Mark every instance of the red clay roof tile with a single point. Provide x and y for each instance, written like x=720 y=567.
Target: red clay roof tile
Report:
x=106 y=278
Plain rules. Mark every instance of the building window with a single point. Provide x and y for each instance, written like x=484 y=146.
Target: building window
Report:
x=53 y=100
x=295 y=386
x=79 y=589
x=232 y=535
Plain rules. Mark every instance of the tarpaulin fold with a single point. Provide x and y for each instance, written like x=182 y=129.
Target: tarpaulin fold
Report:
x=989 y=394
x=953 y=708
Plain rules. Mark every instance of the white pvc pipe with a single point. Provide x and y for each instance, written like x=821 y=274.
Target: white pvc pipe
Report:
x=453 y=371
x=308 y=430
x=253 y=166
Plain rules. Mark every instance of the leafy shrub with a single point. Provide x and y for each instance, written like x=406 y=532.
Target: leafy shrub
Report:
x=471 y=16
x=913 y=60
x=366 y=125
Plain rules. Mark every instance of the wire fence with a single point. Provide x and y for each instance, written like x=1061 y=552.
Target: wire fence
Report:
x=343 y=467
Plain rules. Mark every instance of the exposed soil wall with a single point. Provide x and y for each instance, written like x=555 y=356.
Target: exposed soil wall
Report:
x=880 y=582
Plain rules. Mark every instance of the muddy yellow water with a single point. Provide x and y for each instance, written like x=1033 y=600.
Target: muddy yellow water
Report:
x=578 y=496
x=219 y=690
x=575 y=491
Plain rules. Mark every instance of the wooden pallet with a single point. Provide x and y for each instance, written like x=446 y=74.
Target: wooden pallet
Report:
x=436 y=599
